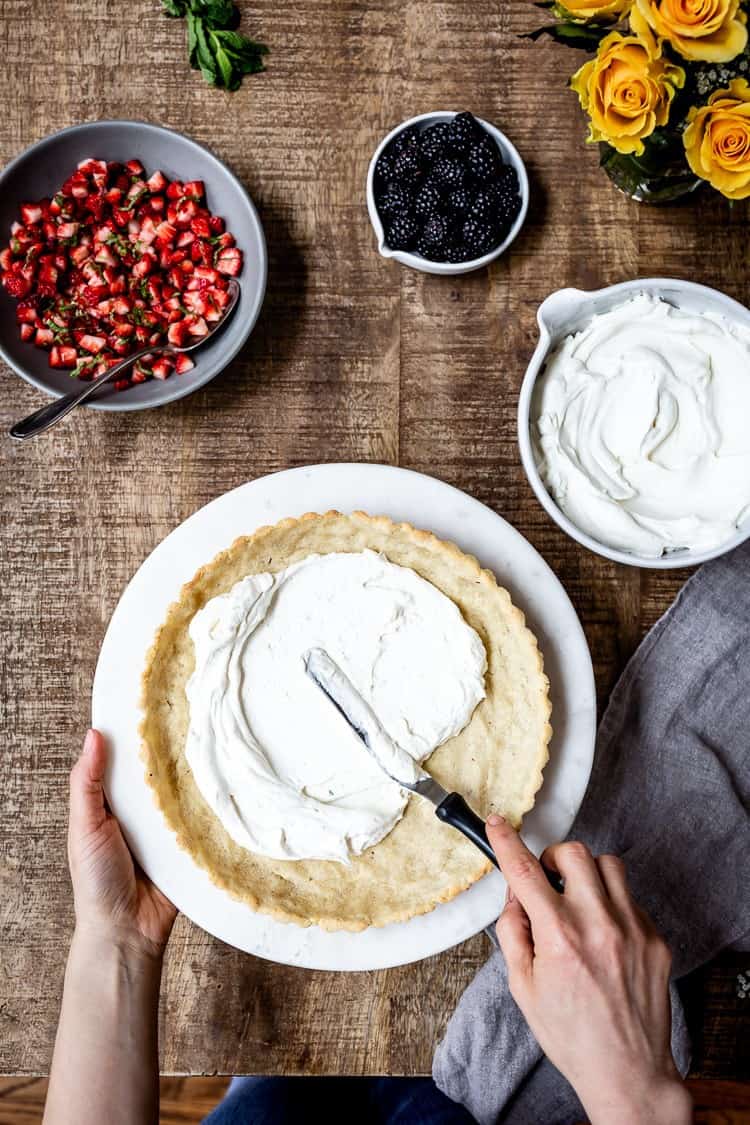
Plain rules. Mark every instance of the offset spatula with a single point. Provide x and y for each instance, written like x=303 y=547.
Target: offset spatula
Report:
x=392 y=759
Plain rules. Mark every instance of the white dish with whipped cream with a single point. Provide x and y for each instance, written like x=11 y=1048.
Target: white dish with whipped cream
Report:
x=634 y=418
x=403 y=495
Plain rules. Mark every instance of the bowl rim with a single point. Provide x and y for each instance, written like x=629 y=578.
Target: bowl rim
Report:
x=547 y=340
x=116 y=404
x=416 y=261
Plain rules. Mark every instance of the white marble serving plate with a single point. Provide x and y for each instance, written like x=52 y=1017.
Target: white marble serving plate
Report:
x=380 y=490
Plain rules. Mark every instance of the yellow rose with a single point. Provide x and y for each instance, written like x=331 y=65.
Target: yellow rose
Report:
x=717 y=140
x=709 y=30
x=626 y=90
x=595 y=9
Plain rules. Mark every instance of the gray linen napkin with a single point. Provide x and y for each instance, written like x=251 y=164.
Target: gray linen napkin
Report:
x=670 y=794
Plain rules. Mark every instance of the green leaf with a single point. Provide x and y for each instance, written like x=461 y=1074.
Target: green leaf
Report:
x=175 y=8
x=221 y=53
x=245 y=54
x=571 y=34
x=220 y=13
x=225 y=68
x=204 y=59
x=192 y=41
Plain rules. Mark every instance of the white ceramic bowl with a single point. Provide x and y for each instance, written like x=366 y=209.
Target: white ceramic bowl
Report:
x=510 y=156
x=569 y=310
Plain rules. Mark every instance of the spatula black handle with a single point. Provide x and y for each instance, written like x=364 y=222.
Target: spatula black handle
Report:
x=455 y=811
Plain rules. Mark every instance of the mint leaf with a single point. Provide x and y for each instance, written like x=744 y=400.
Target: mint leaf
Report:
x=174 y=8
x=221 y=53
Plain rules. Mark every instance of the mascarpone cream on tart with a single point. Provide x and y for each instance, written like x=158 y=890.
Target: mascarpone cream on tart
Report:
x=264 y=783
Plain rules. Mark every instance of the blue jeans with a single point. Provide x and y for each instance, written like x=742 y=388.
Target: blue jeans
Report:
x=337 y=1101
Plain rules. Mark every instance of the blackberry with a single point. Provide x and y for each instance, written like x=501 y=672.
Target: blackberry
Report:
x=483 y=161
x=448 y=173
x=465 y=130
x=403 y=232
x=406 y=168
x=435 y=231
x=507 y=203
x=457 y=252
x=384 y=167
x=396 y=198
x=478 y=236
x=405 y=141
x=509 y=176
x=434 y=142
x=483 y=206
x=459 y=201
x=428 y=201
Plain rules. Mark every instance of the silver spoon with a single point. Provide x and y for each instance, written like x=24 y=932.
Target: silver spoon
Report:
x=49 y=415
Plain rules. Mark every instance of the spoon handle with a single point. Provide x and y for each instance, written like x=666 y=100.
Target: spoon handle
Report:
x=47 y=416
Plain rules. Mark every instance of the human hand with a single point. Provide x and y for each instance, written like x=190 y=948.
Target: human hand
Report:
x=590 y=974
x=113 y=898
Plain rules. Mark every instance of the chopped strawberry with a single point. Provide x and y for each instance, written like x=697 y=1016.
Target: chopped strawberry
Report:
x=229 y=262
x=200 y=226
x=165 y=234
x=26 y=312
x=134 y=167
x=55 y=358
x=183 y=363
x=105 y=256
x=196 y=303
x=196 y=325
x=122 y=306
x=44 y=337
x=157 y=182
x=187 y=209
x=68 y=356
x=178 y=334
x=157 y=204
x=93 y=344
x=15 y=284
x=195 y=189
x=175 y=190
x=144 y=265
x=216 y=224
x=26 y=331
x=30 y=213
x=6 y=257
x=161 y=368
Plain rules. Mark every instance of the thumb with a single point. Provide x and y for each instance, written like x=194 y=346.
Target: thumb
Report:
x=87 y=811
x=514 y=935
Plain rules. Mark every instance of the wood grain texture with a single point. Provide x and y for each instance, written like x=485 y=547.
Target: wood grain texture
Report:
x=353 y=359
x=186 y=1101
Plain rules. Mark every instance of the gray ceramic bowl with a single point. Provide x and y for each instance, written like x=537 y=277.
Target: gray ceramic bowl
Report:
x=39 y=172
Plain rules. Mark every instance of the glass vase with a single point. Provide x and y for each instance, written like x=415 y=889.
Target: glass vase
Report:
x=646 y=180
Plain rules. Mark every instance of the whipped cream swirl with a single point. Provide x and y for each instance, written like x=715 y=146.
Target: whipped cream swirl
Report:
x=271 y=755
x=643 y=427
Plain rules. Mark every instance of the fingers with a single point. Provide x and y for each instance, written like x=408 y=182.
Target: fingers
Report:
x=612 y=874
x=522 y=871
x=575 y=864
x=87 y=811
x=514 y=936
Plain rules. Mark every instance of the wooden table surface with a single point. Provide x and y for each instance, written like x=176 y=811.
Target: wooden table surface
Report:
x=353 y=359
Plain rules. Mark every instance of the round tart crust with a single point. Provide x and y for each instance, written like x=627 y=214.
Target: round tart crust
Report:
x=496 y=761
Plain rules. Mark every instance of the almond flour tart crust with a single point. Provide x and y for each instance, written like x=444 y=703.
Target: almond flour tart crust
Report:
x=495 y=761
